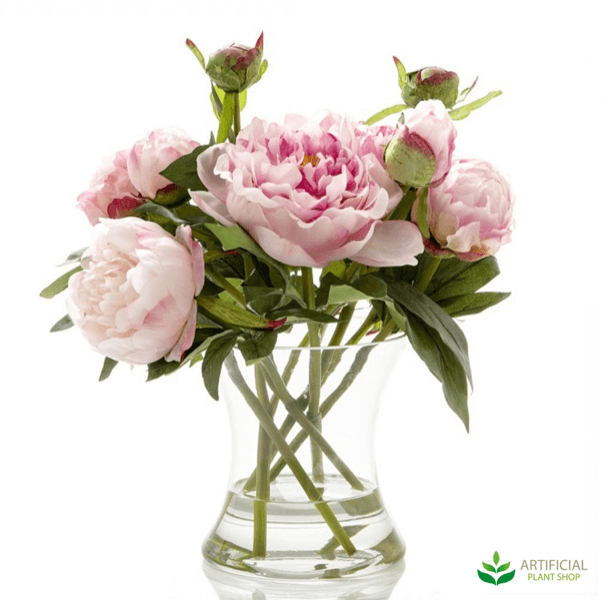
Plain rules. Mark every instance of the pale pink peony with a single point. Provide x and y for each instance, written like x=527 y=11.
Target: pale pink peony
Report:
x=135 y=298
x=131 y=177
x=152 y=155
x=309 y=193
x=470 y=213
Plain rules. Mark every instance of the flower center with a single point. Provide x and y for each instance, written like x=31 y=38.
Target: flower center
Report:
x=313 y=159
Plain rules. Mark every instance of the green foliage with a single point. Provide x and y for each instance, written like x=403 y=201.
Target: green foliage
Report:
x=463 y=111
x=506 y=577
x=486 y=578
x=183 y=171
x=213 y=361
x=59 y=285
x=107 y=368
x=62 y=324
x=386 y=112
x=230 y=314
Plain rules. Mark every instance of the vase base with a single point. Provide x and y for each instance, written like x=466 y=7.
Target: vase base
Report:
x=231 y=584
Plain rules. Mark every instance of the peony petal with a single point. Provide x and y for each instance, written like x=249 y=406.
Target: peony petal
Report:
x=393 y=244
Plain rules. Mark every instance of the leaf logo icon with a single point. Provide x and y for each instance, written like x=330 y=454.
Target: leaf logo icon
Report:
x=505 y=578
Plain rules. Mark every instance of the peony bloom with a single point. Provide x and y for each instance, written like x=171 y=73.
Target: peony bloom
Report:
x=309 y=193
x=135 y=298
x=131 y=177
x=421 y=152
x=470 y=213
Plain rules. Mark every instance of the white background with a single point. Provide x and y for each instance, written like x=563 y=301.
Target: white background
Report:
x=107 y=490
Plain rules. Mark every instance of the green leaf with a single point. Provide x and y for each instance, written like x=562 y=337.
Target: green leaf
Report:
x=468 y=280
x=224 y=311
x=461 y=306
x=262 y=299
x=506 y=577
x=366 y=287
x=297 y=313
x=165 y=214
x=235 y=237
x=59 y=285
x=496 y=558
x=422 y=213
x=503 y=568
x=216 y=354
x=183 y=171
x=486 y=578
x=409 y=298
x=107 y=368
x=62 y=324
x=161 y=367
x=74 y=257
x=386 y=112
x=463 y=111
x=225 y=121
x=258 y=346
x=464 y=93
x=337 y=268
x=442 y=363
x=489 y=567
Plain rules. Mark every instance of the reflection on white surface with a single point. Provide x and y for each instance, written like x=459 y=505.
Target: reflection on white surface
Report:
x=231 y=584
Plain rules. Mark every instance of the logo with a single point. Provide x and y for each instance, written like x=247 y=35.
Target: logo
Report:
x=505 y=578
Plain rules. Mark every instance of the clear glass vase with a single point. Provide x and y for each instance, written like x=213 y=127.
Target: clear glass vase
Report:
x=303 y=517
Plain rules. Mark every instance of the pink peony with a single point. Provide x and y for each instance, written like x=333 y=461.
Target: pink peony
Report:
x=135 y=298
x=470 y=213
x=421 y=152
x=309 y=193
x=132 y=177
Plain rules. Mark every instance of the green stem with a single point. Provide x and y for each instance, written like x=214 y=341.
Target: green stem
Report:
x=315 y=374
x=386 y=331
x=262 y=494
x=220 y=280
x=286 y=376
x=289 y=456
x=236 y=114
x=427 y=274
x=356 y=367
x=278 y=386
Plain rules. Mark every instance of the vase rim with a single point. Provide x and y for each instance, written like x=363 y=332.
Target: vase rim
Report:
x=389 y=340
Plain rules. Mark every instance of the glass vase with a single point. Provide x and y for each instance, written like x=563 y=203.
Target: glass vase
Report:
x=303 y=516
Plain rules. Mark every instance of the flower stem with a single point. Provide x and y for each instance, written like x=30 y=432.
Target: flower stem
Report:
x=315 y=374
x=289 y=456
x=236 y=114
x=427 y=274
x=262 y=493
x=276 y=383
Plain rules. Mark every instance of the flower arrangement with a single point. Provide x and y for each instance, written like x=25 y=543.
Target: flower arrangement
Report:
x=198 y=250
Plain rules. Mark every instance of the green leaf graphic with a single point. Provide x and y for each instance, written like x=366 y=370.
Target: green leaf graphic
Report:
x=489 y=567
x=503 y=568
x=496 y=558
x=486 y=578
x=506 y=578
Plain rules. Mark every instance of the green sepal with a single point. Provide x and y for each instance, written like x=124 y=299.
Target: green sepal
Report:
x=386 y=112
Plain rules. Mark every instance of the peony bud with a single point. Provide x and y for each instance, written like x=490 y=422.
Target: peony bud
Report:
x=432 y=83
x=421 y=152
x=236 y=67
